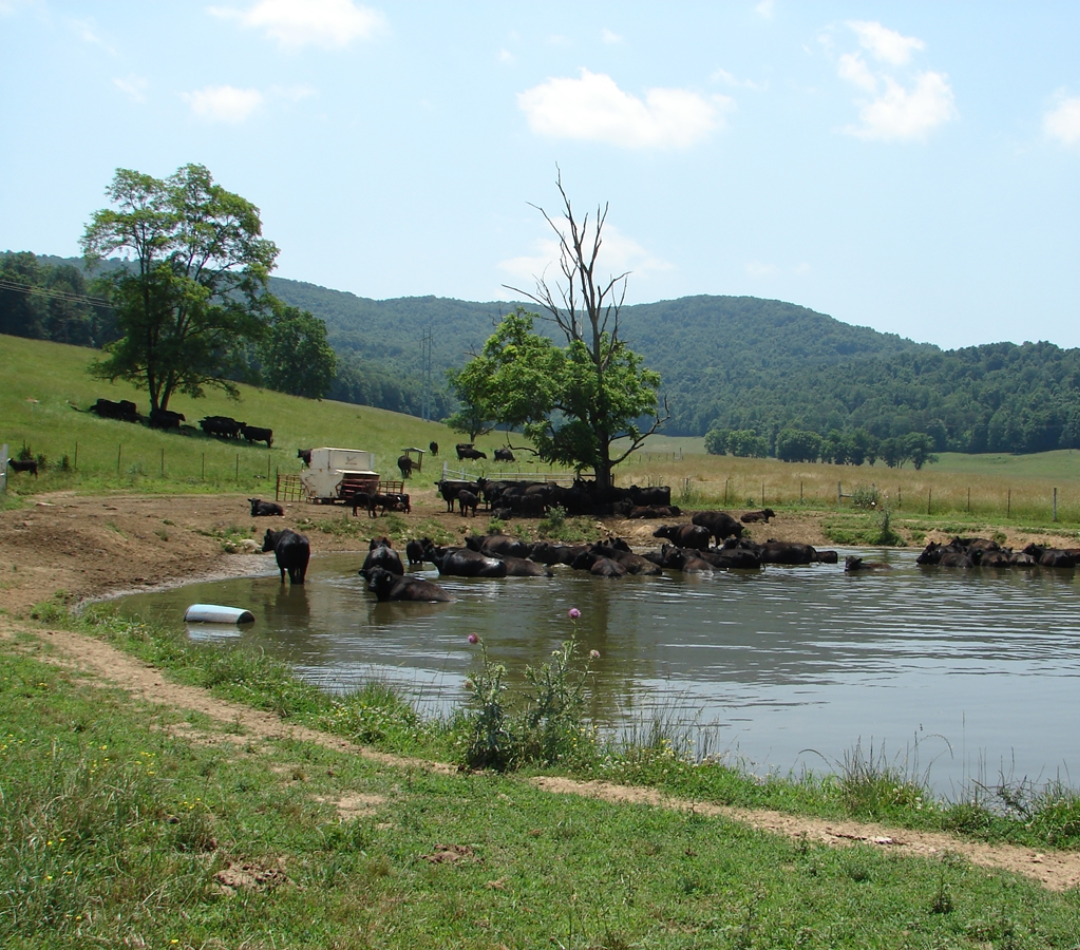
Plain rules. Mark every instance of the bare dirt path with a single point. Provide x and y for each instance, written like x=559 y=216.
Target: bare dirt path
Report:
x=95 y=546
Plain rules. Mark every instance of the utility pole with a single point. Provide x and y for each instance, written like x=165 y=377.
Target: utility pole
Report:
x=425 y=374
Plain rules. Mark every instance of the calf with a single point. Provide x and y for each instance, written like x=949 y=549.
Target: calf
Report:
x=752 y=517
x=467 y=499
x=292 y=551
x=24 y=465
x=405 y=466
x=433 y=448
x=305 y=456
x=261 y=509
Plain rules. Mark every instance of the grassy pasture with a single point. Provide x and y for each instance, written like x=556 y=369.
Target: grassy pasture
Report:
x=45 y=381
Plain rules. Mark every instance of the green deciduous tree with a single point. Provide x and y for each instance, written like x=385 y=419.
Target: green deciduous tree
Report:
x=195 y=292
x=574 y=401
x=294 y=355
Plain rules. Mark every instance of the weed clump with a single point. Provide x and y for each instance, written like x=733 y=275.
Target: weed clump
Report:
x=541 y=727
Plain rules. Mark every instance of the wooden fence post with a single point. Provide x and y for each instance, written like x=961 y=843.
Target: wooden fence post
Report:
x=1055 y=504
x=119 y=448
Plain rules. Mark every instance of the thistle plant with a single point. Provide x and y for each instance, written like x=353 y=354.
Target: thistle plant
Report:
x=544 y=725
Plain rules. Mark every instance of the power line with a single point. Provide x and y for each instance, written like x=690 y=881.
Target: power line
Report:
x=59 y=294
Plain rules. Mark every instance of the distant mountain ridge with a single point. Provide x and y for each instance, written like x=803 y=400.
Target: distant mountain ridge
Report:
x=734 y=363
x=703 y=346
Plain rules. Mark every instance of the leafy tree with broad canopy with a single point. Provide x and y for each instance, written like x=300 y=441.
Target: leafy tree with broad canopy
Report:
x=574 y=401
x=195 y=293
x=294 y=354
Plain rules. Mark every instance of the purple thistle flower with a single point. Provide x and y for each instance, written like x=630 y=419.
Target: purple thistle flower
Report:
x=473 y=639
x=573 y=613
x=594 y=654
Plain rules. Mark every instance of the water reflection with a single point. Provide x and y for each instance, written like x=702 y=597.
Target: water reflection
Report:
x=774 y=662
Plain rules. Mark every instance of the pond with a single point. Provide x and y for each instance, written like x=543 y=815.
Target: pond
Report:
x=972 y=675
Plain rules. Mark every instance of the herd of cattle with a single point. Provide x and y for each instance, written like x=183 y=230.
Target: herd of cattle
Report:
x=222 y=427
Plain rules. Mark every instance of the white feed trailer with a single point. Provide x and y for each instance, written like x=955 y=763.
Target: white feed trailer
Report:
x=335 y=474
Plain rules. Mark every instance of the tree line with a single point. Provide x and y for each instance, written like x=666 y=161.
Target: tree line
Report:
x=853 y=447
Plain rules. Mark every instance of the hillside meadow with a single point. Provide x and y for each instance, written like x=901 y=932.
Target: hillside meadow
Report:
x=47 y=389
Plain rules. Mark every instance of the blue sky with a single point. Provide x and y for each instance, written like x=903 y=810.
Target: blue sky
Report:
x=914 y=167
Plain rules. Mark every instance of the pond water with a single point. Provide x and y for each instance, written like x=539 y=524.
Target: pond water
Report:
x=968 y=674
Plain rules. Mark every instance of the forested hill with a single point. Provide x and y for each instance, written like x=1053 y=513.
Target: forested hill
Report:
x=728 y=363
x=707 y=349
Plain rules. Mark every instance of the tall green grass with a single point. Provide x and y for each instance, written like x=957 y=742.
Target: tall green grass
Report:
x=46 y=390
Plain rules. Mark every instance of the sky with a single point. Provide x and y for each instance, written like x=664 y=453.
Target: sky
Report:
x=909 y=166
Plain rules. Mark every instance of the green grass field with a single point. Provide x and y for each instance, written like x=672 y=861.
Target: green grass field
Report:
x=45 y=383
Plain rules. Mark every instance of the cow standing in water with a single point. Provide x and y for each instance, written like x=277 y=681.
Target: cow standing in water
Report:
x=292 y=551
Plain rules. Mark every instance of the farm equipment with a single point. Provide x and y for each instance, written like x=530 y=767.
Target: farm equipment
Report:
x=333 y=475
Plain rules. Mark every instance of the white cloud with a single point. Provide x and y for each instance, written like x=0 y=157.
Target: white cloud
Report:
x=332 y=24
x=223 y=103
x=765 y=9
x=618 y=255
x=594 y=108
x=85 y=30
x=900 y=113
x=759 y=269
x=610 y=37
x=1063 y=122
x=905 y=103
x=885 y=44
x=722 y=75
x=853 y=68
x=134 y=87
x=505 y=56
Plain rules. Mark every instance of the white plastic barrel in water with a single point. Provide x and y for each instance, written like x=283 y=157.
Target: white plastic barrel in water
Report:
x=213 y=613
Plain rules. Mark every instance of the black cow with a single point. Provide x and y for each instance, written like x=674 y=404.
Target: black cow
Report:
x=405 y=465
x=685 y=535
x=166 y=419
x=853 y=564
x=125 y=410
x=304 y=455
x=262 y=509
x=449 y=490
x=752 y=517
x=660 y=495
x=414 y=551
x=498 y=545
x=258 y=434
x=360 y=499
x=24 y=465
x=465 y=450
x=433 y=448
x=292 y=550
x=468 y=499
x=461 y=562
x=504 y=455
x=224 y=427
x=382 y=555
x=389 y=586
x=720 y=524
